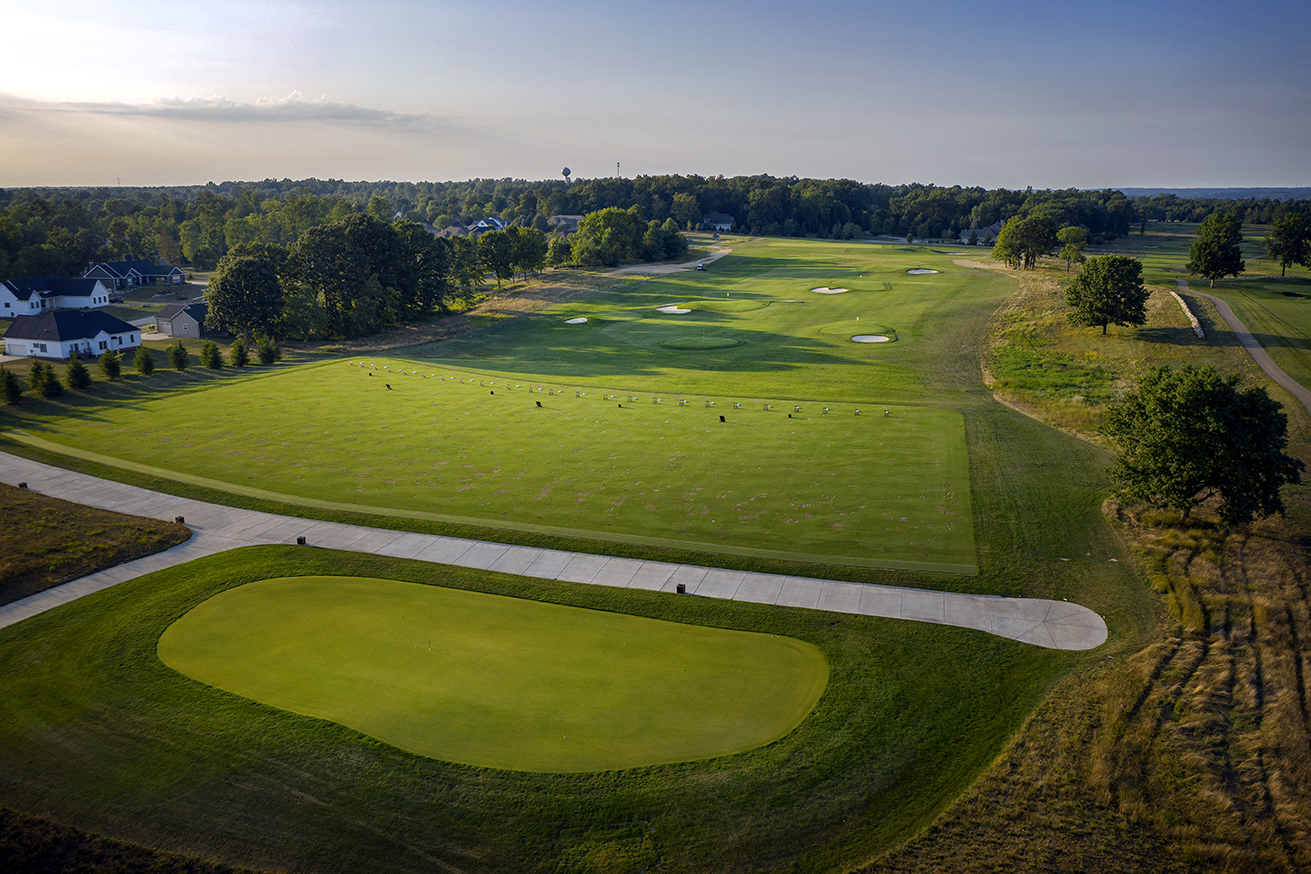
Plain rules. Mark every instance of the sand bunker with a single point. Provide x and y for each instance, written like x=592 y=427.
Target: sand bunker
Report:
x=672 y=309
x=920 y=271
x=824 y=289
x=577 y=321
x=870 y=338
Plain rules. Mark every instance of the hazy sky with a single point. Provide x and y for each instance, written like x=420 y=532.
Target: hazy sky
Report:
x=1049 y=94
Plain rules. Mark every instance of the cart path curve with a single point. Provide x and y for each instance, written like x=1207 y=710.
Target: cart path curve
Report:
x=1259 y=355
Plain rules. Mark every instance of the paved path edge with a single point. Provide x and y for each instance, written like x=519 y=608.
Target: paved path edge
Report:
x=217 y=528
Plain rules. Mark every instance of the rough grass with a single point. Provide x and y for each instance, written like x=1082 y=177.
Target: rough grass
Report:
x=1184 y=752
x=46 y=541
x=1188 y=755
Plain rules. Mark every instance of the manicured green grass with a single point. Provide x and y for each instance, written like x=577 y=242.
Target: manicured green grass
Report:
x=1278 y=313
x=96 y=731
x=838 y=482
x=911 y=714
x=497 y=682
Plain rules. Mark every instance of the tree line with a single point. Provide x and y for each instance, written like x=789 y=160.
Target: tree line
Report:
x=61 y=230
x=359 y=275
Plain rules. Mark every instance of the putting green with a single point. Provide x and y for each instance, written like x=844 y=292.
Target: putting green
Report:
x=499 y=682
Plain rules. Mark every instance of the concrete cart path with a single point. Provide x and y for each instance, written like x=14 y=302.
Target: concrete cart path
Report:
x=216 y=528
x=1259 y=355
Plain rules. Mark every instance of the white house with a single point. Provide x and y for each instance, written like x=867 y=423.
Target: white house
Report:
x=717 y=221
x=65 y=333
x=25 y=297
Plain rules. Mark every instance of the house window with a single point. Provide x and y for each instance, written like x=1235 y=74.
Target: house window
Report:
x=104 y=345
x=40 y=346
x=134 y=338
x=6 y=304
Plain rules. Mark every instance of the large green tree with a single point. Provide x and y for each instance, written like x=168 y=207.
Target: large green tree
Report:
x=496 y=254
x=1290 y=241
x=1108 y=291
x=1215 y=252
x=1073 y=240
x=245 y=293
x=1023 y=241
x=1191 y=434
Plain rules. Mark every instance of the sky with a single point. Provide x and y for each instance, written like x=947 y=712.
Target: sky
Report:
x=1111 y=93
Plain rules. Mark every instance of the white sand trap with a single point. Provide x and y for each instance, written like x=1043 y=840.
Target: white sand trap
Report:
x=824 y=289
x=869 y=338
x=672 y=309
x=577 y=321
x=920 y=271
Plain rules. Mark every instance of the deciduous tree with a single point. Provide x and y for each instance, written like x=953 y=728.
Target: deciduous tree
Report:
x=1073 y=240
x=1290 y=241
x=1023 y=241
x=1215 y=252
x=245 y=293
x=1189 y=435
x=496 y=254
x=1109 y=290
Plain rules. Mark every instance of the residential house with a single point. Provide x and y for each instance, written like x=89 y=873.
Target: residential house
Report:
x=36 y=294
x=182 y=320
x=564 y=224
x=983 y=235
x=717 y=221
x=130 y=274
x=482 y=226
x=65 y=333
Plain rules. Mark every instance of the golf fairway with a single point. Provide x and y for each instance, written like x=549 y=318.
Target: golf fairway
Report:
x=492 y=681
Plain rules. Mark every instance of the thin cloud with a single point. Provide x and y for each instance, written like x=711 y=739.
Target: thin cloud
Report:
x=295 y=108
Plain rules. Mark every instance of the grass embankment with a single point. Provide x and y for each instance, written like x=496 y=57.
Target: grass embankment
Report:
x=1189 y=753
x=46 y=541
x=128 y=747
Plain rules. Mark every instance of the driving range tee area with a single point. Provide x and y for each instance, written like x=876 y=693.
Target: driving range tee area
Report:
x=846 y=483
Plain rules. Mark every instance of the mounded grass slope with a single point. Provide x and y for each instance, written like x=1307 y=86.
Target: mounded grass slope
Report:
x=493 y=681
x=96 y=731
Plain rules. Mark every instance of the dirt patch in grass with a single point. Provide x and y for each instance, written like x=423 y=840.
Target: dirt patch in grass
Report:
x=48 y=541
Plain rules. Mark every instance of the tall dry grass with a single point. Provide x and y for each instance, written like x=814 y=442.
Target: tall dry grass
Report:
x=1192 y=754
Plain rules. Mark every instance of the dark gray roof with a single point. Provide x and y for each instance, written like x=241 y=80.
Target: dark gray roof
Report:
x=197 y=311
x=121 y=269
x=67 y=325
x=44 y=286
